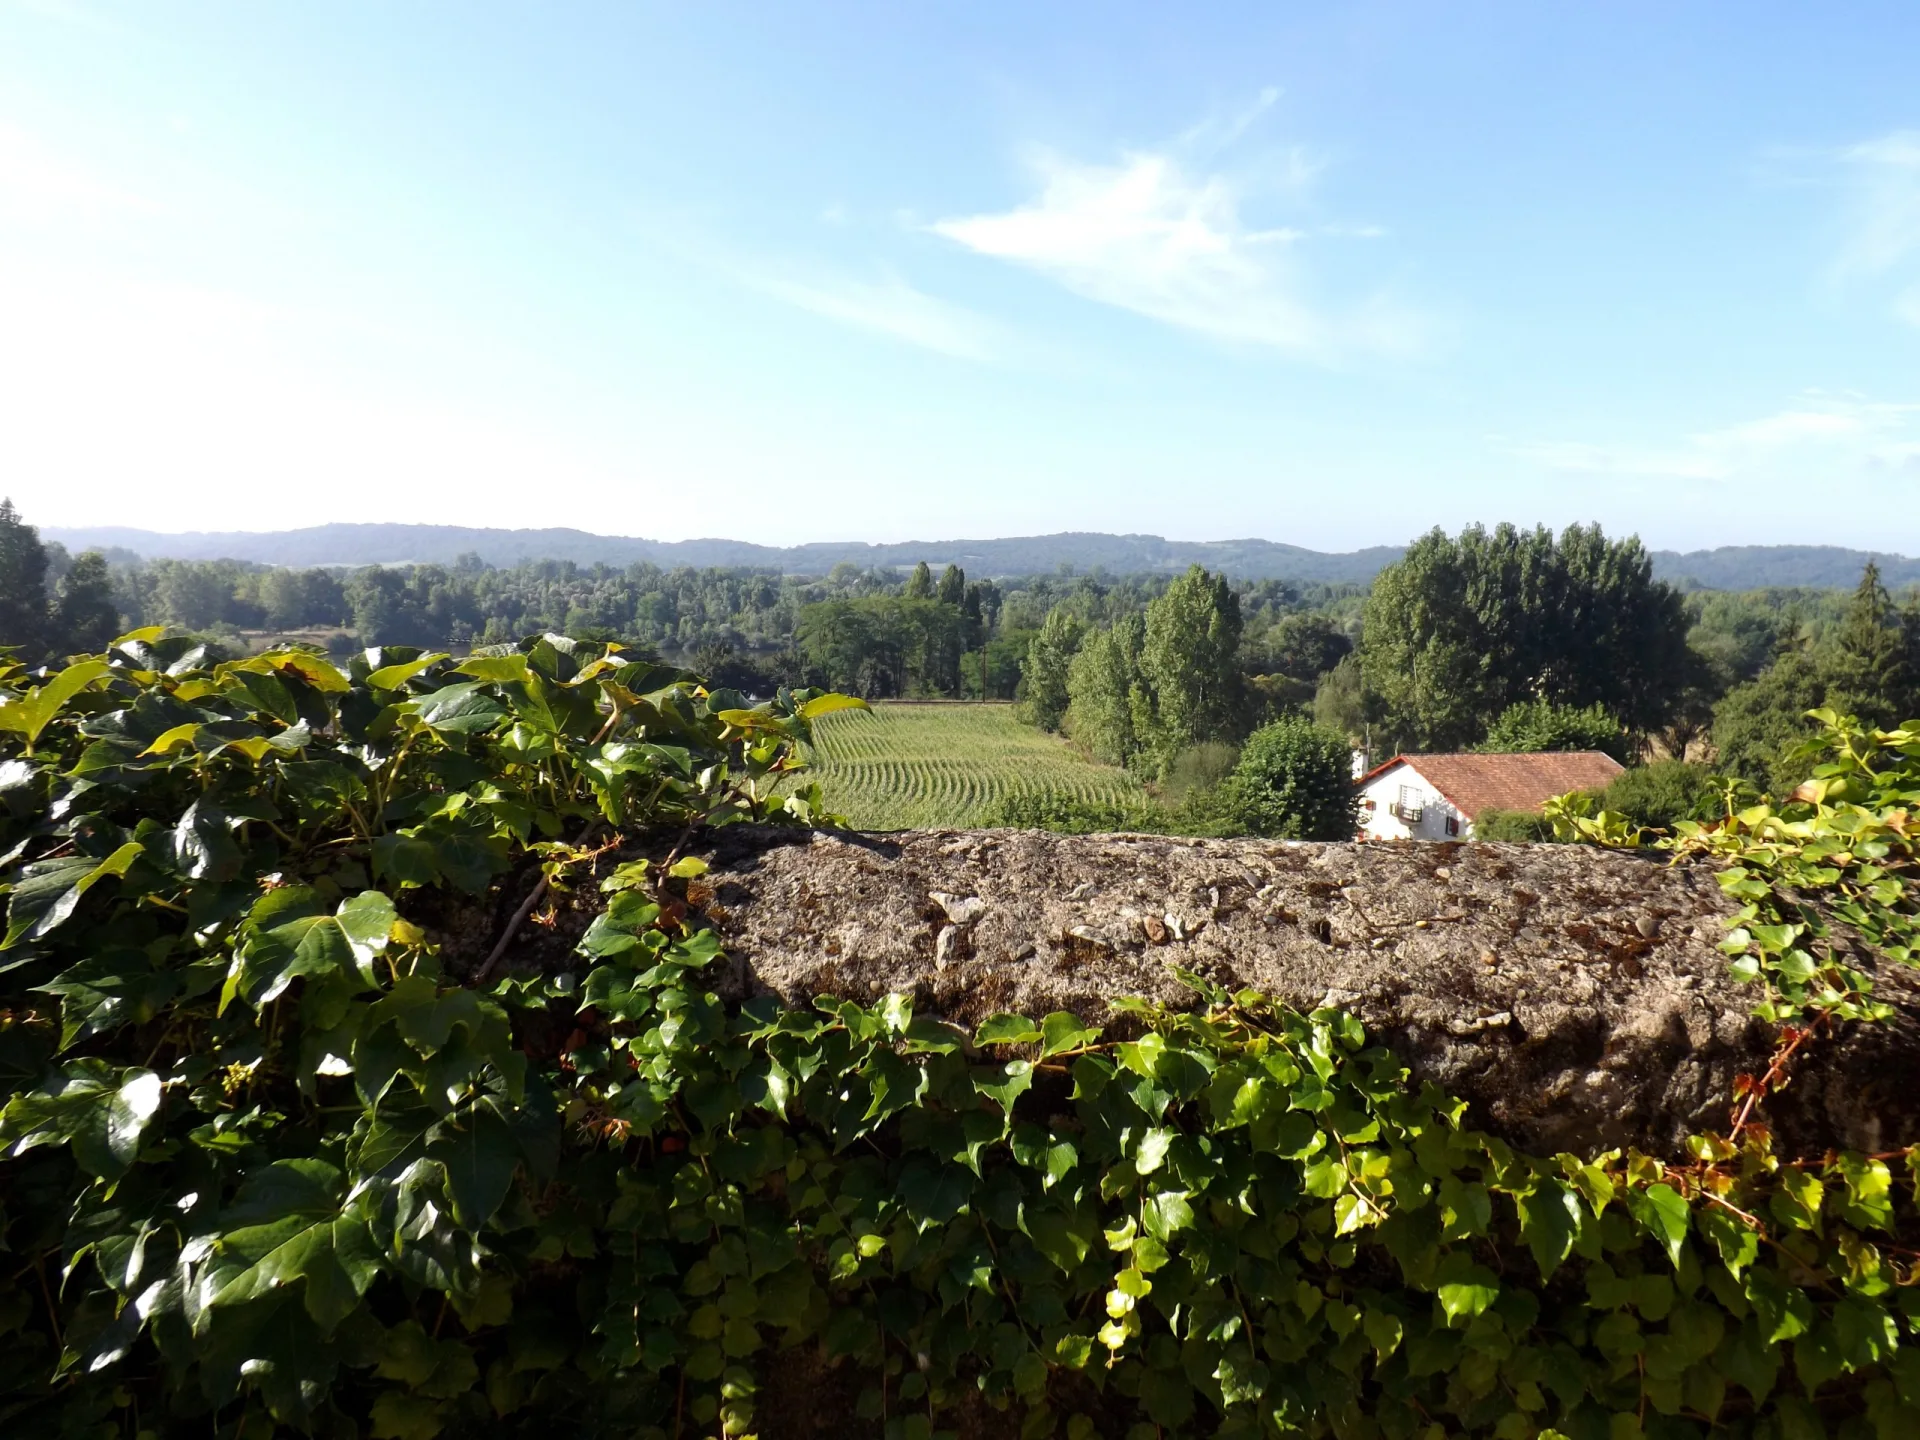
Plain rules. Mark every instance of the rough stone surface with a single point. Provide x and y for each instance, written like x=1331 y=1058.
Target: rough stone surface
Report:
x=1574 y=996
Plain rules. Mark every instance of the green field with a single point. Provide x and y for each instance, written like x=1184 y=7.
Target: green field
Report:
x=928 y=766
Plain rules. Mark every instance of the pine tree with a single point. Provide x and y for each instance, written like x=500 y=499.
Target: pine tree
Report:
x=1868 y=674
x=23 y=586
x=920 y=584
x=86 y=617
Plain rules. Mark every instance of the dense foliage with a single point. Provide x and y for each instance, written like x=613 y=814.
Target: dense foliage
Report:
x=283 y=1151
x=1868 y=664
x=268 y=1120
x=1464 y=627
x=1294 y=781
x=1151 y=684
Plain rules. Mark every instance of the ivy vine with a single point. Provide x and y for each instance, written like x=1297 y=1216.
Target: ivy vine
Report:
x=279 y=1157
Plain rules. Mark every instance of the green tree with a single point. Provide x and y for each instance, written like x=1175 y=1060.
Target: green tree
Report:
x=1110 y=710
x=195 y=597
x=1513 y=827
x=1342 y=702
x=920 y=584
x=1536 y=725
x=953 y=586
x=1190 y=659
x=1295 y=781
x=1868 y=672
x=297 y=598
x=1758 y=726
x=86 y=616
x=1044 y=694
x=1462 y=628
x=23 y=585
x=1305 y=647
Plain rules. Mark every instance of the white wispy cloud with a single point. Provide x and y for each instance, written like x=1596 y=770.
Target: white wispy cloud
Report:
x=1882 y=221
x=1159 y=235
x=1816 y=429
x=888 y=306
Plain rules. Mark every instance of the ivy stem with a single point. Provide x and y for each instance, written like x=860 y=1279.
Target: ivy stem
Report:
x=53 y=1312
x=485 y=972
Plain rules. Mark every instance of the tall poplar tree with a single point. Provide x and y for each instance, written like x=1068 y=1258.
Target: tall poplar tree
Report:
x=1043 y=690
x=1111 y=710
x=1191 y=660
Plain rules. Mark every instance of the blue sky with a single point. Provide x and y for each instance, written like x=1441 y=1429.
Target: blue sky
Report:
x=1328 y=274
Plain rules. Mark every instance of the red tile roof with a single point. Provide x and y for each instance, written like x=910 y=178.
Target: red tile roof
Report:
x=1473 y=783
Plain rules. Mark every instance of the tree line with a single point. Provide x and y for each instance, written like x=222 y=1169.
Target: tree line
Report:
x=1141 y=670
x=1502 y=639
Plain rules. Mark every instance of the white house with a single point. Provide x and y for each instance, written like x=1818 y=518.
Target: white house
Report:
x=1436 y=797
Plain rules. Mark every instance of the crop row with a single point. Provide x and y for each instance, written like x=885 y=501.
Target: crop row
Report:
x=911 y=766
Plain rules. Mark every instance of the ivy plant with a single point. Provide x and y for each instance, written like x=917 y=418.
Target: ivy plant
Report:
x=285 y=1154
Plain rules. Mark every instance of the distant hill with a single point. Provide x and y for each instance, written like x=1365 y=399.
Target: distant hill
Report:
x=442 y=544
x=1747 y=567
x=1732 y=567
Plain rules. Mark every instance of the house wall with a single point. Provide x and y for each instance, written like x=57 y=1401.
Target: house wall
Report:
x=1382 y=794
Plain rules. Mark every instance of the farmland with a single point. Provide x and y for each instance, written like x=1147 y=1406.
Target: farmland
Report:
x=934 y=765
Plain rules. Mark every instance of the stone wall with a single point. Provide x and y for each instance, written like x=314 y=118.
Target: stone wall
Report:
x=1573 y=995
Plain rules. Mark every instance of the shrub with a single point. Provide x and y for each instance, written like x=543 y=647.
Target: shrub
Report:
x=1066 y=814
x=1664 y=793
x=1526 y=827
x=1294 y=780
x=1199 y=767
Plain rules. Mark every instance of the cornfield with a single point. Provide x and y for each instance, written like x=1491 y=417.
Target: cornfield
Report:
x=938 y=765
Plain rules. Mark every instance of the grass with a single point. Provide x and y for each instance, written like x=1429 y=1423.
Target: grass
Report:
x=941 y=764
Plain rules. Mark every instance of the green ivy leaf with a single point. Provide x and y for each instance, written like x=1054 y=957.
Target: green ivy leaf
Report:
x=1471 y=1294
x=49 y=891
x=98 y=1110
x=310 y=1239
x=1006 y=1030
x=1062 y=1031
x=1664 y=1215
x=203 y=844
x=1005 y=1084
x=1550 y=1221
x=1151 y=1151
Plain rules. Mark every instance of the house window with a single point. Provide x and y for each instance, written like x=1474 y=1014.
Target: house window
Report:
x=1409 y=807
x=1453 y=824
